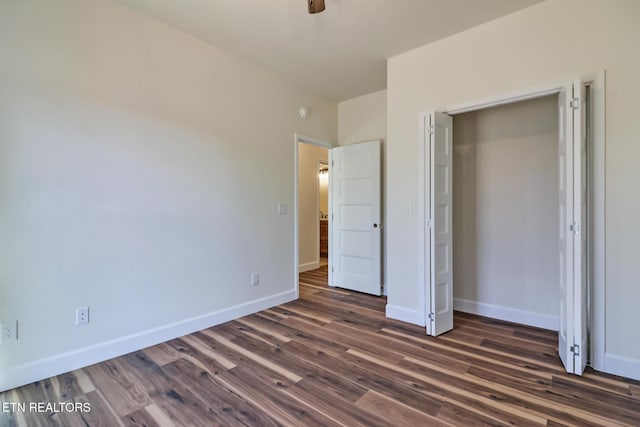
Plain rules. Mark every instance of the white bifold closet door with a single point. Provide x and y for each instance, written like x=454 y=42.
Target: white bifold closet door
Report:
x=572 y=336
x=572 y=251
x=354 y=235
x=440 y=238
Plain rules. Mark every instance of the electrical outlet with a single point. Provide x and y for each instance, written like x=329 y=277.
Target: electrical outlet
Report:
x=255 y=279
x=9 y=331
x=82 y=316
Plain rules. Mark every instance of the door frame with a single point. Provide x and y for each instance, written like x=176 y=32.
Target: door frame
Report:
x=597 y=238
x=319 y=163
x=299 y=138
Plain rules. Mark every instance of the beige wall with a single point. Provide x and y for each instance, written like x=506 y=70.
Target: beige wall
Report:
x=308 y=229
x=140 y=173
x=505 y=212
x=553 y=42
x=363 y=118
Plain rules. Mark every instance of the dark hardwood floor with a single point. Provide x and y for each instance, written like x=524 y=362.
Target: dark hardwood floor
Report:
x=332 y=358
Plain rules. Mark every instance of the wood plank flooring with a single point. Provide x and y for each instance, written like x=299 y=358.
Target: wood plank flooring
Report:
x=330 y=359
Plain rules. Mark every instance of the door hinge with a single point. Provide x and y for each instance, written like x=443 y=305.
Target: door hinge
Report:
x=332 y=270
x=431 y=316
x=575 y=349
x=429 y=223
x=573 y=227
x=332 y=215
x=430 y=129
x=574 y=103
x=333 y=163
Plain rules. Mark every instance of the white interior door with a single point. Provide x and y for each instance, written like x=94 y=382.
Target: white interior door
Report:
x=440 y=298
x=355 y=217
x=572 y=336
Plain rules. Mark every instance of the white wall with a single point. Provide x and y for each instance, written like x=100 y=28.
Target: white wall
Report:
x=140 y=172
x=505 y=212
x=365 y=119
x=554 y=41
x=308 y=228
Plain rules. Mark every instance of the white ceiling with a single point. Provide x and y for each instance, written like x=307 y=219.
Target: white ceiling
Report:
x=339 y=53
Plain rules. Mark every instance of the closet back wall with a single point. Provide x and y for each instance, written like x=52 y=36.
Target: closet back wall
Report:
x=505 y=215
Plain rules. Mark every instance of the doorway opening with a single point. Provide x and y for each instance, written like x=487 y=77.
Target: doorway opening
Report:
x=308 y=155
x=505 y=212
x=313 y=217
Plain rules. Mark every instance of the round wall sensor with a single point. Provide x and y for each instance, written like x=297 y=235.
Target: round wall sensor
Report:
x=304 y=112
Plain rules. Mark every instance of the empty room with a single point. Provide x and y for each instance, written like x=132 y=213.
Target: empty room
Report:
x=319 y=212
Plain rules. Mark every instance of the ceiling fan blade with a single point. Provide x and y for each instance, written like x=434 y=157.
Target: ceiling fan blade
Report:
x=315 y=6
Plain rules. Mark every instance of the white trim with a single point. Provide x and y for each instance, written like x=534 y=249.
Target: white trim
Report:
x=309 y=266
x=297 y=138
x=330 y=219
x=65 y=362
x=423 y=303
x=508 y=98
x=405 y=315
x=598 y=235
x=524 y=317
x=623 y=366
x=313 y=141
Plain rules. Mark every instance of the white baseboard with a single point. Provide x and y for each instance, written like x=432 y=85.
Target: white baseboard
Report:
x=524 y=317
x=622 y=365
x=405 y=315
x=65 y=362
x=308 y=266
